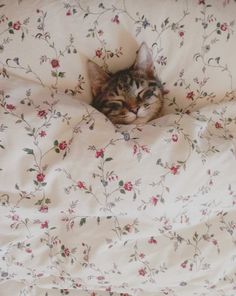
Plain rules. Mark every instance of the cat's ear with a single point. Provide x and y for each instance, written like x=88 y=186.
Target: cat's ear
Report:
x=144 y=60
x=97 y=77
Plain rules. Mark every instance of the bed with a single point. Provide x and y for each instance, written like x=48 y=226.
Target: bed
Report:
x=92 y=209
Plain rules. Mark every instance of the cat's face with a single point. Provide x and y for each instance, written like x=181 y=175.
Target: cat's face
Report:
x=130 y=96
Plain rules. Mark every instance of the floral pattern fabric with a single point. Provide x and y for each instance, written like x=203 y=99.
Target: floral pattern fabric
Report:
x=92 y=209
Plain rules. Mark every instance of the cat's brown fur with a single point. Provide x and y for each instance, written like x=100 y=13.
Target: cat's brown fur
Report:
x=129 y=96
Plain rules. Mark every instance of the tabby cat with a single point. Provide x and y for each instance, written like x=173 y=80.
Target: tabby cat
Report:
x=129 y=96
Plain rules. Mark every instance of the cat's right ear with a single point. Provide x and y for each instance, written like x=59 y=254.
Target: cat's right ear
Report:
x=97 y=76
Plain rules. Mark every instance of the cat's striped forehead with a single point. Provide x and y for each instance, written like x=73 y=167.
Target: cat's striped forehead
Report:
x=125 y=83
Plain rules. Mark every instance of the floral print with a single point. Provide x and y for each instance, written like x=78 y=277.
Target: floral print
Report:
x=92 y=209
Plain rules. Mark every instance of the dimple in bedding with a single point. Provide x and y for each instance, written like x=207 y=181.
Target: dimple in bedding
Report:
x=89 y=208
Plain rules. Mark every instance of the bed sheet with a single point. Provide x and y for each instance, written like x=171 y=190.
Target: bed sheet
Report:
x=92 y=209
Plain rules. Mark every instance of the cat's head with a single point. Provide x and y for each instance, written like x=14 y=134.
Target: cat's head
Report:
x=133 y=95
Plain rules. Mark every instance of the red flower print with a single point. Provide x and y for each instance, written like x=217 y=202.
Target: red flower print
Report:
x=16 y=26
x=28 y=250
x=181 y=33
x=154 y=200
x=99 y=153
x=81 y=185
x=68 y=12
x=201 y=2
x=128 y=186
x=218 y=125
x=42 y=113
x=55 y=63
x=152 y=240
x=174 y=138
x=190 y=95
x=98 y=53
x=40 y=177
x=174 y=170
x=62 y=145
x=100 y=278
x=10 y=107
x=42 y=134
x=93 y=294
x=43 y=209
x=141 y=255
x=223 y=27
x=115 y=19
x=142 y=271
x=44 y=225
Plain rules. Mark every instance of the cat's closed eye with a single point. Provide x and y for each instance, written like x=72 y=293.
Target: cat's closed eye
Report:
x=115 y=105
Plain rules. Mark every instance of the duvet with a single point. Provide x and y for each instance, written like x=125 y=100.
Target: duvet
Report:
x=92 y=209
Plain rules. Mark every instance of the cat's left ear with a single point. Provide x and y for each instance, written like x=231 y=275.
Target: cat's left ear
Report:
x=144 y=61
x=97 y=76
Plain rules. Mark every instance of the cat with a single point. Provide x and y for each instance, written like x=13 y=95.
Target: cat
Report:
x=130 y=96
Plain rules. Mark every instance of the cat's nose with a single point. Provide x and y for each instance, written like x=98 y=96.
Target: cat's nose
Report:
x=135 y=110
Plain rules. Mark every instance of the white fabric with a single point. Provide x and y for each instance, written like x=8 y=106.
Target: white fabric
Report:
x=88 y=208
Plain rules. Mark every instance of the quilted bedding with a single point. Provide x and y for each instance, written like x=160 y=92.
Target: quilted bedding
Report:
x=92 y=209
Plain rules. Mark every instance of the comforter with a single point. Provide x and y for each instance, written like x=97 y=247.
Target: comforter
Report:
x=92 y=209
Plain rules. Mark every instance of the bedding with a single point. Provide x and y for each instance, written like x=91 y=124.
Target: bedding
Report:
x=92 y=209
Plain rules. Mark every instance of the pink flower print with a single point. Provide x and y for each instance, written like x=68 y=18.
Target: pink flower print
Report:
x=99 y=153
x=42 y=113
x=62 y=145
x=142 y=271
x=42 y=134
x=174 y=169
x=55 y=63
x=174 y=138
x=81 y=185
x=43 y=209
x=66 y=252
x=181 y=33
x=40 y=177
x=214 y=241
x=223 y=27
x=190 y=95
x=44 y=224
x=152 y=240
x=10 y=107
x=141 y=255
x=15 y=217
x=16 y=26
x=154 y=200
x=115 y=19
x=128 y=186
x=184 y=264
x=218 y=125
x=98 y=53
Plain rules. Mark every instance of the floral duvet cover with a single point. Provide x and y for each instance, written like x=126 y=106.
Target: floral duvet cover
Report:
x=92 y=209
